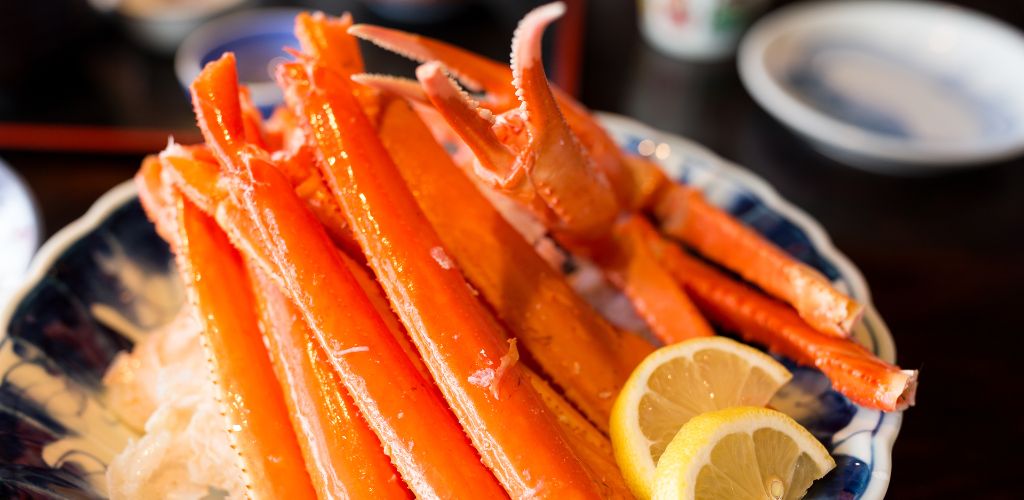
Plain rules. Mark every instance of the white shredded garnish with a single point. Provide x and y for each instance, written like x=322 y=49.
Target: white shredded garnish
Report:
x=161 y=388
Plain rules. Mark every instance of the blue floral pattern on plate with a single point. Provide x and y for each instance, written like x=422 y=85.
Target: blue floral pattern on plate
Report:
x=108 y=278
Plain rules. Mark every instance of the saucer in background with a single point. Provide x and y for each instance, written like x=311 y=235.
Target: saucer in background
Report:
x=894 y=87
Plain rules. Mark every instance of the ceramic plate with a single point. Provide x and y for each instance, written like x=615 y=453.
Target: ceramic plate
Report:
x=906 y=87
x=19 y=230
x=104 y=281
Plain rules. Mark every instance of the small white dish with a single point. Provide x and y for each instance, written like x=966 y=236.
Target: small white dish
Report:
x=19 y=230
x=161 y=25
x=895 y=87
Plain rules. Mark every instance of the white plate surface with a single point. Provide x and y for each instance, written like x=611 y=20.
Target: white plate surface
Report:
x=900 y=86
x=19 y=230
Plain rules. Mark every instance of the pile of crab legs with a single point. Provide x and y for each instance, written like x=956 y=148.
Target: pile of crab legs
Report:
x=375 y=324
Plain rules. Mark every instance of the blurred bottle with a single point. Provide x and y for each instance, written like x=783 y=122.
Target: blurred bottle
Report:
x=696 y=29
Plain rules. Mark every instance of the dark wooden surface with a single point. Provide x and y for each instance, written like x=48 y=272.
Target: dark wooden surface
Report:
x=943 y=255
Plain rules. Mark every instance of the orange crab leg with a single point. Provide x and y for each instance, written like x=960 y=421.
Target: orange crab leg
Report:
x=854 y=372
x=580 y=351
x=200 y=180
x=515 y=434
x=327 y=40
x=313 y=190
x=684 y=214
x=629 y=264
x=586 y=440
x=257 y=418
x=342 y=454
x=251 y=119
x=390 y=393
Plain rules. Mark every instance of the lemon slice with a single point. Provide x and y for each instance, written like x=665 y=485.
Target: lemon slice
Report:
x=676 y=383
x=741 y=453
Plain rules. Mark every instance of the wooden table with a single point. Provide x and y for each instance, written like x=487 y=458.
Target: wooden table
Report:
x=943 y=255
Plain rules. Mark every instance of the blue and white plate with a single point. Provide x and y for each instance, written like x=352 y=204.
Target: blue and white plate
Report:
x=107 y=279
x=894 y=86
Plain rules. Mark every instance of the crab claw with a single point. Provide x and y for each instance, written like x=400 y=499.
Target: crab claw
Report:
x=476 y=73
x=497 y=164
x=405 y=88
x=480 y=74
x=566 y=178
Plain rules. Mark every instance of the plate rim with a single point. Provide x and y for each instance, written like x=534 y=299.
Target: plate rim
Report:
x=853 y=142
x=888 y=426
x=56 y=245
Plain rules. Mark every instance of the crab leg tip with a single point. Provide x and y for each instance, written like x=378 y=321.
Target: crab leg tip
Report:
x=401 y=87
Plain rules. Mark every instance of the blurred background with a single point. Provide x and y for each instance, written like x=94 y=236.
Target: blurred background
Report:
x=88 y=87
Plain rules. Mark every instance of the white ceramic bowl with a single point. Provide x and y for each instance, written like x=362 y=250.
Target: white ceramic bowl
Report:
x=894 y=86
x=257 y=37
x=161 y=25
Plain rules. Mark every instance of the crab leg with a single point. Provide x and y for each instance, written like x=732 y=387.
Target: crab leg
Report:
x=516 y=435
x=199 y=178
x=388 y=390
x=251 y=119
x=658 y=299
x=257 y=418
x=740 y=250
x=684 y=214
x=327 y=40
x=577 y=348
x=629 y=264
x=326 y=411
x=586 y=440
x=313 y=190
x=343 y=455
x=854 y=372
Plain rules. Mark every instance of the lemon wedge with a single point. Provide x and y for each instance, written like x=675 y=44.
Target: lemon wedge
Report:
x=676 y=383
x=740 y=453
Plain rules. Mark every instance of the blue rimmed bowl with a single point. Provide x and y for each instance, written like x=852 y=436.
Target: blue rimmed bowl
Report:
x=257 y=37
x=104 y=281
